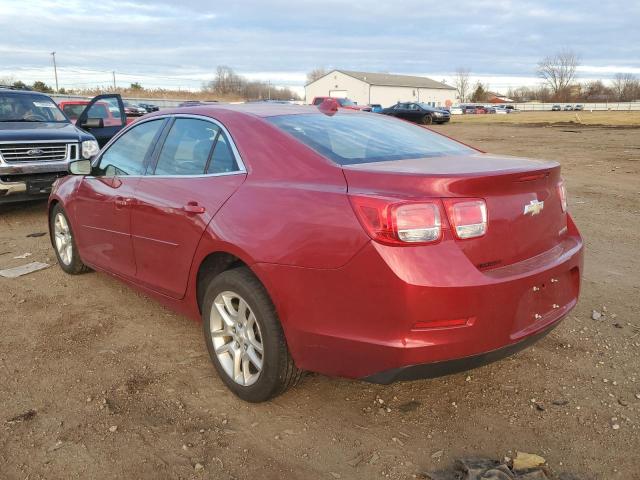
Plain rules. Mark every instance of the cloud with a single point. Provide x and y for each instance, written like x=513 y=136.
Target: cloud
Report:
x=164 y=43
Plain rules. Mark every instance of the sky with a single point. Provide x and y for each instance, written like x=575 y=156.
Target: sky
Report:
x=178 y=44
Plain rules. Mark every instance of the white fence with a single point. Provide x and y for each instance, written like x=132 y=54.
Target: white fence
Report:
x=541 y=107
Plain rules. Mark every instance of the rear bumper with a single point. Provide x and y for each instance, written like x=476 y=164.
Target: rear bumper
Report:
x=384 y=310
x=448 y=367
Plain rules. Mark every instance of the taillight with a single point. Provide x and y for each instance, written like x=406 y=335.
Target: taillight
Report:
x=468 y=218
x=562 y=193
x=398 y=222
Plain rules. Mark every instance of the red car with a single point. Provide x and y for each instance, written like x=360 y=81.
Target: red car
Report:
x=342 y=103
x=110 y=116
x=325 y=240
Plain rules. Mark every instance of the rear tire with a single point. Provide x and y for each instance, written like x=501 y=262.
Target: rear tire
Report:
x=427 y=120
x=64 y=243
x=244 y=337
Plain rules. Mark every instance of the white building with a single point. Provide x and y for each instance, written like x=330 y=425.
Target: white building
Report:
x=383 y=88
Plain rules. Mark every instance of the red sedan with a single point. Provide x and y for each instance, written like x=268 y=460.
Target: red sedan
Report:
x=333 y=241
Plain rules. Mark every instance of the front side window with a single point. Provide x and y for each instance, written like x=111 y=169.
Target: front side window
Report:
x=187 y=147
x=353 y=139
x=127 y=155
x=108 y=110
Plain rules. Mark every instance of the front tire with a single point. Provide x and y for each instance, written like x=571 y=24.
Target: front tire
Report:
x=427 y=120
x=64 y=243
x=244 y=337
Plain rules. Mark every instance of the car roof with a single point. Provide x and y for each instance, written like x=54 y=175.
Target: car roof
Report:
x=20 y=91
x=253 y=109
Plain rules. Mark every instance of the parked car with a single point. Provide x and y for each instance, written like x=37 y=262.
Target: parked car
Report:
x=376 y=107
x=37 y=141
x=568 y=107
x=342 y=103
x=501 y=109
x=133 y=110
x=418 y=113
x=190 y=103
x=339 y=242
x=148 y=107
x=457 y=110
x=556 y=108
x=579 y=107
x=109 y=113
x=489 y=109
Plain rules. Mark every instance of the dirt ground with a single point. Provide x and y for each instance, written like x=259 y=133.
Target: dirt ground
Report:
x=630 y=118
x=97 y=381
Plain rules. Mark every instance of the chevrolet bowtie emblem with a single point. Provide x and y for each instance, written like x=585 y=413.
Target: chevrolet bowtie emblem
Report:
x=534 y=207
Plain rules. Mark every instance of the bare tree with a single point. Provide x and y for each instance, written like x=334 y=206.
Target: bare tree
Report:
x=559 y=72
x=625 y=86
x=226 y=81
x=228 y=84
x=315 y=74
x=8 y=80
x=461 y=82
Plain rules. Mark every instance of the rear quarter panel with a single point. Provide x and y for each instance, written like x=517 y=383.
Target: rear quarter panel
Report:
x=293 y=208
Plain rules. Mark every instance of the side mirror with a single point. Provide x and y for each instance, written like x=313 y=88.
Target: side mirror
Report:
x=80 y=167
x=93 y=123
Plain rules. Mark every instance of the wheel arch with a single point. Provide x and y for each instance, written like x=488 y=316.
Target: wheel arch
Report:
x=52 y=204
x=210 y=267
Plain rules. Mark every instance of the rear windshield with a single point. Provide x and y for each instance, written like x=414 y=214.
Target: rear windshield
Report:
x=352 y=139
x=345 y=102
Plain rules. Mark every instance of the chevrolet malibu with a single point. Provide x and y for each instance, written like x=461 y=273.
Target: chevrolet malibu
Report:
x=324 y=240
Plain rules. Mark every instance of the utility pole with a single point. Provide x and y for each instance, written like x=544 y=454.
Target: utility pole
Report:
x=113 y=72
x=55 y=69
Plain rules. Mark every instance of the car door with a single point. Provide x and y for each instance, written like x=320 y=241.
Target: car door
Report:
x=400 y=110
x=196 y=170
x=104 y=199
x=415 y=112
x=103 y=117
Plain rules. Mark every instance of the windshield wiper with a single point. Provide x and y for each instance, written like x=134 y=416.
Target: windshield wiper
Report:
x=21 y=120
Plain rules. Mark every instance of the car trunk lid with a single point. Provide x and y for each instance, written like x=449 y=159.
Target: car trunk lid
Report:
x=524 y=212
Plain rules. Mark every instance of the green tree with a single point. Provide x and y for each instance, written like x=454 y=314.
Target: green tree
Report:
x=136 y=86
x=19 y=84
x=479 y=94
x=39 y=86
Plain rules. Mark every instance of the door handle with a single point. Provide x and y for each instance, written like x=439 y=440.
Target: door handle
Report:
x=122 y=202
x=193 y=207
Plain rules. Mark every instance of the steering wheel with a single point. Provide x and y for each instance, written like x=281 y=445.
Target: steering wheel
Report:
x=35 y=116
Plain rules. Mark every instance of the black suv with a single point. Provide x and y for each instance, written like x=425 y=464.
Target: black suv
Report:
x=37 y=140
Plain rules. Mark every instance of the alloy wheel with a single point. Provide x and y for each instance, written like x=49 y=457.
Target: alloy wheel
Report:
x=236 y=337
x=63 y=239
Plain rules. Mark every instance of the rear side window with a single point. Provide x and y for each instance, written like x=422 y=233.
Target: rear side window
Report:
x=126 y=156
x=351 y=138
x=222 y=160
x=318 y=101
x=187 y=147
